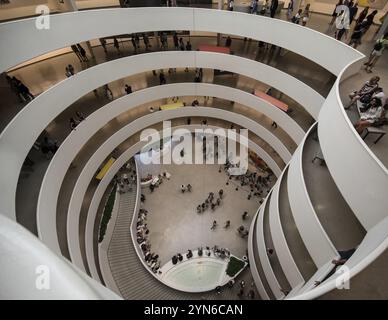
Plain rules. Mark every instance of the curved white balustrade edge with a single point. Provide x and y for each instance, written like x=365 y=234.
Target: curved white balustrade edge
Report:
x=25 y=41
x=280 y=244
x=373 y=245
x=251 y=255
x=262 y=248
x=347 y=155
x=24 y=259
x=315 y=238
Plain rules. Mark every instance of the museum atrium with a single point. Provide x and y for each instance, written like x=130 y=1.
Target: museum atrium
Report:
x=88 y=212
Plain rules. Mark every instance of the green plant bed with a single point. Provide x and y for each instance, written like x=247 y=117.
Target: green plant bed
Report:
x=234 y=266
x=107 y=214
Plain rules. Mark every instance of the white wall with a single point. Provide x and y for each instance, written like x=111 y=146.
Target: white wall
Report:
x=23 y=38
x=361 y=178
x=315 y=238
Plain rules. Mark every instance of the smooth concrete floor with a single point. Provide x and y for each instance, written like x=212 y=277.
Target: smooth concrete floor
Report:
x=175 y=226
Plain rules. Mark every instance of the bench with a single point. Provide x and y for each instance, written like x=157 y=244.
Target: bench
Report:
x=371 y=130
x=105 y=168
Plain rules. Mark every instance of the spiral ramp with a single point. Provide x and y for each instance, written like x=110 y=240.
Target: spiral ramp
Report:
x=305 y=227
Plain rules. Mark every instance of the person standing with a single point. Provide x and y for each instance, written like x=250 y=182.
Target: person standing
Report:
x=342 y=25
x=355 y=39
x=230 y=5
x=368 y=21
x=376 y=53
x=353 y=8
x=290 y=10
x=146 y=41
x=82 y=52
x=306 y=15
x=254 y=6
x=362 y=15
x=116 y=45
x=228 y=42
x=176 y=41
x=181 y=44
x=134 y=44
x=273 y=7
x=162 y=78
x=335 y=13
x=108 y=92
x=103 y=44
x=76 y=51
x=188 y=46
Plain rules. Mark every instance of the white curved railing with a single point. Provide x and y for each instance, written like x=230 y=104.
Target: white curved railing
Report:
x=366 y=190
x=22 y=36
x=47 y=224
x=74 y=142
x=120 y=161
x=103 y=248
x=15 y=145
x=262 y=248
x=26 y=262
x=314 y=236
x=283 y=253
x=252 y=262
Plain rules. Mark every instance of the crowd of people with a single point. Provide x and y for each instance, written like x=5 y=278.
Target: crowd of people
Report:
x=211 y=202
x=142 y=232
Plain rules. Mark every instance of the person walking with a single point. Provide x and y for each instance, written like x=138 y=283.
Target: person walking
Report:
x=376 y=53
x=146 y=41
x=353 y=8
x=306 y=15
x=342 y=25
x=273 y=7
x=227 y=224
x=116 y=45
x=230 y=5
x=188 y=46
x=103 y=44
x=214 y=225
x=176 y=41
x=335 y=12
x=76 y=51
x=181 y=44
x=362 y=15
x=355 y=38
x=254 y=5
x=134 y=44
x=108 y=92
x=290 y=10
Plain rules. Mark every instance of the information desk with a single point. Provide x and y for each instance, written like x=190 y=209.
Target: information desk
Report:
x=209 y=48
x=171 y=106
x=277 y=103
x=105 y=168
